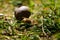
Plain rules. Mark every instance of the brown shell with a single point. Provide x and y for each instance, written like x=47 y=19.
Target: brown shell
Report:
x=21 y=14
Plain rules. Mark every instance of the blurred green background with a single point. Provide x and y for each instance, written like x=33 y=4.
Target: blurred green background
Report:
x=45 y=12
